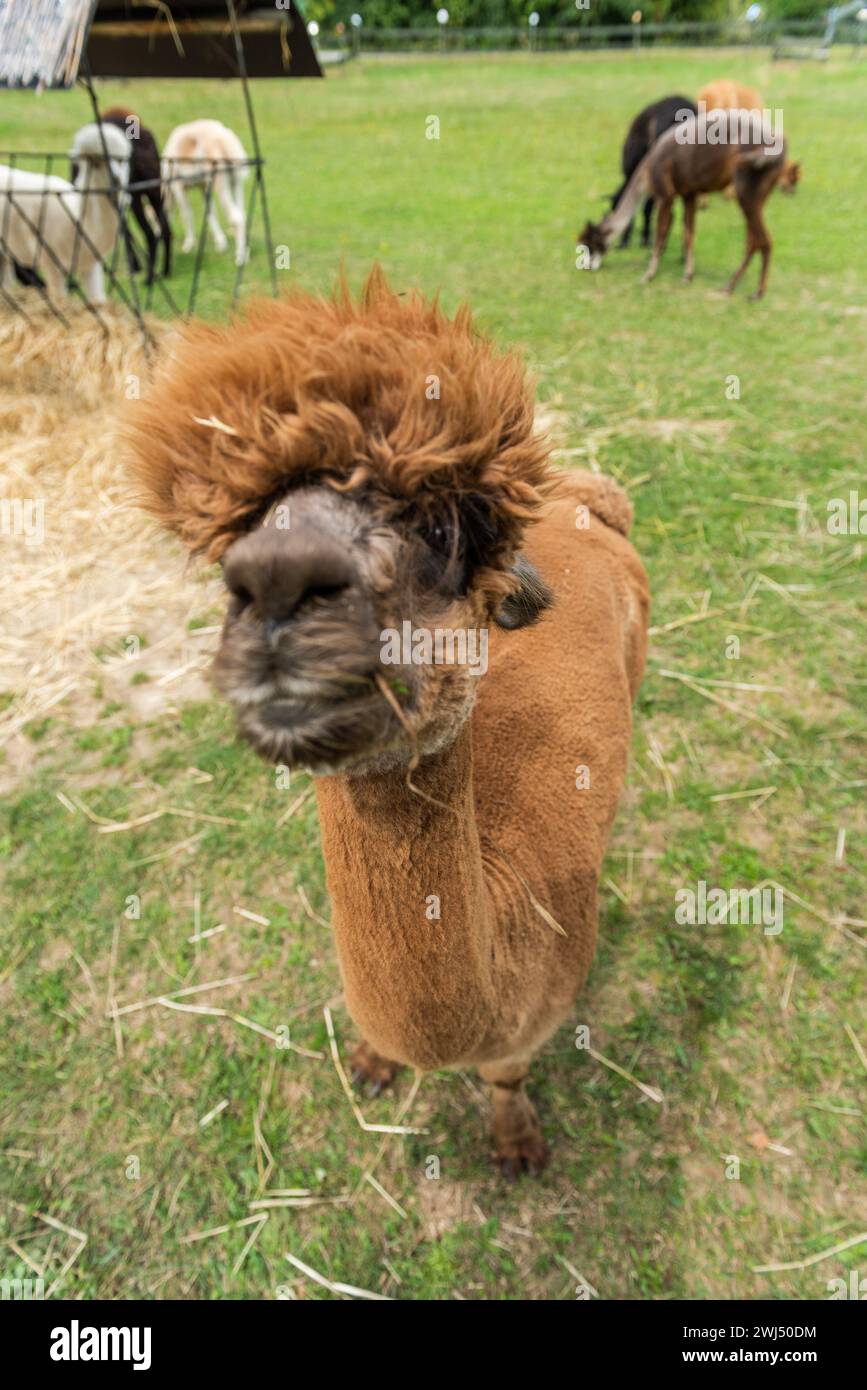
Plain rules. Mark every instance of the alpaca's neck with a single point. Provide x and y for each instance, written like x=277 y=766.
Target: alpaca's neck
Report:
x=619 y=218
x=411 y=913
x=95 y=211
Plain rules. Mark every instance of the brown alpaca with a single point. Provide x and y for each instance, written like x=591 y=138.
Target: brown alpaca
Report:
x=358 y=466
x=682 y=165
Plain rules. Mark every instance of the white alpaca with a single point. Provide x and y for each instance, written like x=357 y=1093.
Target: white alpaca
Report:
x=59 y=228
x=207 y=153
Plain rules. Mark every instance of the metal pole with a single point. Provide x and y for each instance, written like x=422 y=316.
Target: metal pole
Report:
x=115 y=194
x=254 y=135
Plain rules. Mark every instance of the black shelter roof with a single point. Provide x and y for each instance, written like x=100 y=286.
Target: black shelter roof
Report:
x=44 y=42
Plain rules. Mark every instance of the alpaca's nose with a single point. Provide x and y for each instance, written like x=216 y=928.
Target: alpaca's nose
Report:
x=278 y=572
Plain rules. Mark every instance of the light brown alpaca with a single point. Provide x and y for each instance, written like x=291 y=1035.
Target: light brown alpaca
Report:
x=725 y=95
x=361 y=465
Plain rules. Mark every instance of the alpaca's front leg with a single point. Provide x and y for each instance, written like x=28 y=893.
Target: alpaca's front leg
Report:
x=183 y=202
x=519 y=1146
x=689 y=236
x=663 y=224
x=367 y=1067
x=95 y=283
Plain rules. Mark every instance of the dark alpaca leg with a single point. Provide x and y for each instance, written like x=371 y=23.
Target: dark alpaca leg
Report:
x=137 y=208
x=165 y=230
x=366 y=1066
x=688 y=236
x=663 y=226
x=518 y=1142
x=132 y=260
x=27 y=276
x=648 y=215
x=627 y=235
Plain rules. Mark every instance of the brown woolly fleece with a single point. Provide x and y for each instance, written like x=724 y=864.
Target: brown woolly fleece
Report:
x=302 y=389
x=490 y=979
x=442 y=901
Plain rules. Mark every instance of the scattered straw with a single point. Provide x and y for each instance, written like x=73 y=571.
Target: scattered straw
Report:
x=308 y=908
x=220 y=1230
x=576 y=1274
x=813 y=1259
x=862 y=1056
x=69 y=1231
x=252 y=916
x=181 y=993
x=347 y=1088
x=386 y=1196
x=348 y=1289
x=692 y=683
x=212 y=1114
x=650 y=1091
x=249 y=1243
x=205 y=935
x=263 y=1203
x=747 y=792
x=279 y=1041
x=294 y=807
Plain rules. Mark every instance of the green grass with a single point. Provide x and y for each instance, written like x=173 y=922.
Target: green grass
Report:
x=637 y=1198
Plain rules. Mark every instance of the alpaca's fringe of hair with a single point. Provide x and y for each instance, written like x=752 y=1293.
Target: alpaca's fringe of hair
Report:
x=338 y=391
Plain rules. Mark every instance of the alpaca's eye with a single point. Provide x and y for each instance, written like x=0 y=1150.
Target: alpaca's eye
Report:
x=439 y=537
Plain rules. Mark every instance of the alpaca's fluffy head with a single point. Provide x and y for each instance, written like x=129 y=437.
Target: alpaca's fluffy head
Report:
x=90 y=145
x=355 y=466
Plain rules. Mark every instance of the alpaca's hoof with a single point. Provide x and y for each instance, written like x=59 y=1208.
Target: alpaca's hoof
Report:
x=366 y=1067
x=758 y=294
x=529 y=1155
x=188 y=246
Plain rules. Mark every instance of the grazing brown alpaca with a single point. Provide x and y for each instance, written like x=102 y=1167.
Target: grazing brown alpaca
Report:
x=361 y=466
x=680 y=165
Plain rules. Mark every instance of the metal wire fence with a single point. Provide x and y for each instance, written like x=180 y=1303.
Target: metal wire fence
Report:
x=49 y=246
x=778 y=35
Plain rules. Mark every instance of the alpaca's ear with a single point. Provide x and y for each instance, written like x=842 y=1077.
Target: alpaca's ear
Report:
x=526 y=603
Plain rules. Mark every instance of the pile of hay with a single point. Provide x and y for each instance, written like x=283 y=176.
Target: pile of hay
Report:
x=91 y=591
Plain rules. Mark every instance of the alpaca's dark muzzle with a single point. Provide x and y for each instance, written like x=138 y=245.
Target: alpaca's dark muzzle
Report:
x=300 y=647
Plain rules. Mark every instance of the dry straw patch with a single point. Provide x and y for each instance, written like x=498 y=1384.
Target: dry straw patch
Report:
x=101 y=573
